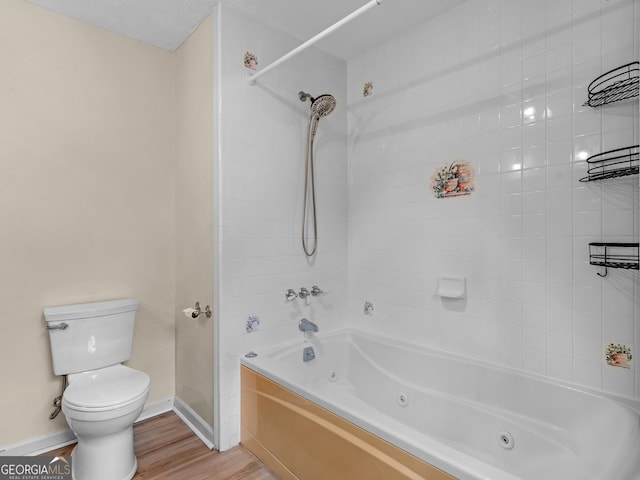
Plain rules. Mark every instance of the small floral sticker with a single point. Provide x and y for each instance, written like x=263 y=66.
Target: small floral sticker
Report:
x=250 y=60
x=252 y=324
x=452 y=180
x=367 y=89
x=368 y=308
x=618 y=355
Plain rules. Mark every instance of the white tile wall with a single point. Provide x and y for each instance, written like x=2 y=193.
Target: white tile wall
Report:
x=262 y=169
x=501 y=84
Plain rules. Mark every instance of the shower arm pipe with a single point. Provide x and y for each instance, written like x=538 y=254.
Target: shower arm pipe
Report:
x=251 y=79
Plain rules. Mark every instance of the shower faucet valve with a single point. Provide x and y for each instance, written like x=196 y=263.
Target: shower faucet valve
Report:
x=291 y=295
x=304 y=293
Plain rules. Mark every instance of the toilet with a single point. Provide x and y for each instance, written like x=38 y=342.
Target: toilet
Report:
x=103 y=398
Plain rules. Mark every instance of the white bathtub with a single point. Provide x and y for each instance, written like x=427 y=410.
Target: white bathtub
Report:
x=473 y=420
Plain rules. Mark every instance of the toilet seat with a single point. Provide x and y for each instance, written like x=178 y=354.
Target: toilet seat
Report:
x=109 y=388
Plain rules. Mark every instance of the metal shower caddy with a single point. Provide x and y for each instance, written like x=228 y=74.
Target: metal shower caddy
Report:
x=618 y=84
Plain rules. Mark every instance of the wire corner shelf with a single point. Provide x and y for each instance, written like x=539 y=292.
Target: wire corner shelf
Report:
x=620 y=162
x=616 y=85
x=614 y=255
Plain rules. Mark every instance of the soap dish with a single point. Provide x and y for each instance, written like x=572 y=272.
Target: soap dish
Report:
x=452 y=287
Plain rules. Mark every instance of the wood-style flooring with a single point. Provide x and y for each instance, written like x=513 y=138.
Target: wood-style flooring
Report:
x=167 y=449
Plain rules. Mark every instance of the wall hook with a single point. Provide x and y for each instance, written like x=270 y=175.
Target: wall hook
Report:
x=606 y=272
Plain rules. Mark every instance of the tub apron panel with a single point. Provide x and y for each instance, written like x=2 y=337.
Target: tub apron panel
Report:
x=300 y=440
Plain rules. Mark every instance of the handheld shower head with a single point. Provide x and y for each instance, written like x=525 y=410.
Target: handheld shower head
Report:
x=320 y=106
x=323 y=105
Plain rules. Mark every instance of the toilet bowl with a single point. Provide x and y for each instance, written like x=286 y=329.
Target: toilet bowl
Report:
x=103 y=398
x=100 y=407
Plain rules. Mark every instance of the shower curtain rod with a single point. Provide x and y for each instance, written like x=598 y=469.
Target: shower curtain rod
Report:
x=251 y=79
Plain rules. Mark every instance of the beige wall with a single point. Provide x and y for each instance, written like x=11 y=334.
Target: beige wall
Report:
x=194 y=219
x=86 y=198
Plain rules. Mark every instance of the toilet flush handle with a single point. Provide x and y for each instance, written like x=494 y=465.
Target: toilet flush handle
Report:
x=58 y=326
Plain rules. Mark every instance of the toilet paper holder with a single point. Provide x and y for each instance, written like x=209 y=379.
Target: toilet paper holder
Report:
x=197 y=310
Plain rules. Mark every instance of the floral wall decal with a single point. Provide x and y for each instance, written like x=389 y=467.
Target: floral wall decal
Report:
x=368 y=308
x=618 y=355
x=250 y=60
x=252 y=324
x=454 y=179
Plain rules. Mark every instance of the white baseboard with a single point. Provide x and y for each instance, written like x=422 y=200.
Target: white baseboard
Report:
x=62 y=438
x=156 y=408
x=194 y=421
x=38 y=445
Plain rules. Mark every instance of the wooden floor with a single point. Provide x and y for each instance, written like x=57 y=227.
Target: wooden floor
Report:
x=167 y=449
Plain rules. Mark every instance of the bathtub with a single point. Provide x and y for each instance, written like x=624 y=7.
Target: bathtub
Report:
x=472 y=420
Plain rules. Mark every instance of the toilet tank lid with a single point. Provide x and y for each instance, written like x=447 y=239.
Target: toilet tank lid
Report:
x=92 y=309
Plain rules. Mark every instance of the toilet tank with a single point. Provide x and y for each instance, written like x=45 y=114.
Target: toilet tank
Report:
x=96 y=335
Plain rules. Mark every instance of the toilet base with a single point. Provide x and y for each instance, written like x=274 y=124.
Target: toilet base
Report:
x=105 y=458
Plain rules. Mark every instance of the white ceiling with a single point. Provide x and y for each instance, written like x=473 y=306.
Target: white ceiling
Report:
x=167 y=23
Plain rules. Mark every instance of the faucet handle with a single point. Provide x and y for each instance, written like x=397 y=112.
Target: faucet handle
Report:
x=290 y=295
x=304 y=292
x=316 y=290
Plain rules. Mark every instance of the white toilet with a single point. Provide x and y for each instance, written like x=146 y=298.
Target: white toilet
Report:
x=88 y=343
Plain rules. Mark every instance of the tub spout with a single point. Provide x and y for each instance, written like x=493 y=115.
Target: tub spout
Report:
x=307 y=326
